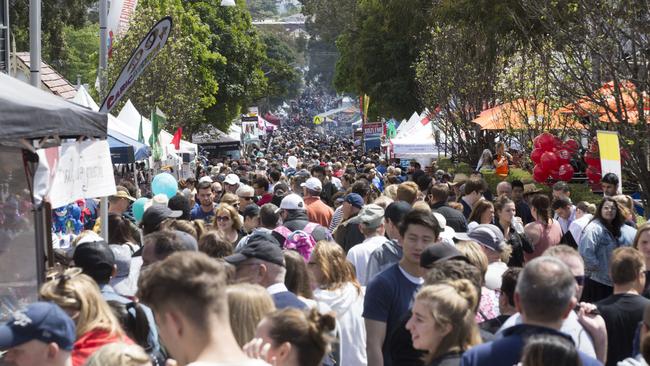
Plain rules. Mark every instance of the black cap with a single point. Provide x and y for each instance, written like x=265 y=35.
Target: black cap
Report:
x=94 y=257
x=156 y=214
x=262 y=246
x=251 y=210
x=439 y=252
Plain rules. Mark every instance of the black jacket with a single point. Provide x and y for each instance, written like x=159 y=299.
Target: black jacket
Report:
x=297 y=220
x=455 y=219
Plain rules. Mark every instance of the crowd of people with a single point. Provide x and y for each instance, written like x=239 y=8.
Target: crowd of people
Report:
x=310 y=252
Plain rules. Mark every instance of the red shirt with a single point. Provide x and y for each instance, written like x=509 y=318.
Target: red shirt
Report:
x=91 y=341
x=318 y=211
x=266 y=198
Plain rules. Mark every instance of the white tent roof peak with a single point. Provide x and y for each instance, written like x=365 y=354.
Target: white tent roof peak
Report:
x=84 y=99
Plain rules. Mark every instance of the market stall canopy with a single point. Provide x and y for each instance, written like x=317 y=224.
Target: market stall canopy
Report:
x=608 y=99
x=28 y=112
x=511 y=116
x=140 y=150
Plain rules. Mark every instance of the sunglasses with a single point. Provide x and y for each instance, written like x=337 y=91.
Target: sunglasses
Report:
x=580 y=280
x=246 y=198
x=223 y=218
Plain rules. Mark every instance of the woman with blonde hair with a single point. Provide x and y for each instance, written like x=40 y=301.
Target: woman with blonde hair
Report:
x=489 y=301
x=336 y=285
x=642 y=244
x=228 y=224
x=119 y=354
x=247 y=304
x=79 y=296
x=442 y=323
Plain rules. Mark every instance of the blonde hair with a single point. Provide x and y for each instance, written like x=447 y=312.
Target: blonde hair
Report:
x=76 y=292
x=119 y=354
x=626 y=205
x=333 y=264
x=248 y=305
x=230 y=199
x=390 y=191
x=407 y=192
x=643 y=228
x=232 y=212
x=452 y=304
x=383 y=201
x=474 y=254
x=422 y=206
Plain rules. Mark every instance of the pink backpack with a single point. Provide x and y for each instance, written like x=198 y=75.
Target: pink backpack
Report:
x=299 y=240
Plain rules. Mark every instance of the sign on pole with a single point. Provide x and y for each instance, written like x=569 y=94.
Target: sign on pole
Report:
x=318 y=120
x=141 y=57
x=610 y=155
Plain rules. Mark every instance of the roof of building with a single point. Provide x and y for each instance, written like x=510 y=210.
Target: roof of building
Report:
x=54 y=81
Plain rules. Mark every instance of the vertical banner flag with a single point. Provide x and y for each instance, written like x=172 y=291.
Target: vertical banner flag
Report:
x=157 y=118
x=141 y=57
x=610 y=155
x=176 y=141
x=140 y=133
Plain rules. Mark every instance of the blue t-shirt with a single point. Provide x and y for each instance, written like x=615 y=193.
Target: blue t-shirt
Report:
x=198 y=214
x=388 y=297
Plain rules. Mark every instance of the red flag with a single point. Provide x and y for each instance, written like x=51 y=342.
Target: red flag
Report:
x=176 y=141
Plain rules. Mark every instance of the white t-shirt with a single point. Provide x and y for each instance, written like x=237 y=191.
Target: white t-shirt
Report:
x=246 y=363
x=359 y=255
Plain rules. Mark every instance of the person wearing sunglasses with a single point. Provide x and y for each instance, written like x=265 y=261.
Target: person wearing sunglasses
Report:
x=228 y=224
x=246 y=195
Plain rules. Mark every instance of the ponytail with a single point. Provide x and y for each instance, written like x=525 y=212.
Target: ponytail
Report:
x=134 y=322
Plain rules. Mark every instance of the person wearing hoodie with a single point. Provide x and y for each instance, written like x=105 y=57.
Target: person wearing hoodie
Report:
x=336 y=285
x=293 y=212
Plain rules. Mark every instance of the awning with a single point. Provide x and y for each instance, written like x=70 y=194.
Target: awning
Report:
x=125 y=150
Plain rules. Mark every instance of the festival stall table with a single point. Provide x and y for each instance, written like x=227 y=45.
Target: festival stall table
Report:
x=34 y=121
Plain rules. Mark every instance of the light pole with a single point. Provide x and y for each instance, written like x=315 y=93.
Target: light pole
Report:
x=35 y=43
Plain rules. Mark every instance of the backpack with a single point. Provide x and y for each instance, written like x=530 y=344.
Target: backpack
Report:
x=299 y=240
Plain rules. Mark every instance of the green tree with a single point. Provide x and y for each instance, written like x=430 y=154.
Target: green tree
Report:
x=279 y=68
x=262 y=9
x=378 y=52
x=82 y=56
x=56 y=16
x=240 y=77
x=180 y=80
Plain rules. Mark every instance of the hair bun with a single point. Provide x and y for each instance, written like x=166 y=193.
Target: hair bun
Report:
x=467 y=290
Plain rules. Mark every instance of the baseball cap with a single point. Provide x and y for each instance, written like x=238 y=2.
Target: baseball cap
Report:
x=439 y=252
x=187 y=241
x=262 y=246
x=371 y=216
x=43 y=321
x=206 y=178
x=313 y=184
x=251 y=210
x=446 y=232
x=486 y=235
x=160 y=199
x=231 y=179
x=292 y=202
x=155 y=214
x=354 y=199
x=94 y=257
x=123 y=194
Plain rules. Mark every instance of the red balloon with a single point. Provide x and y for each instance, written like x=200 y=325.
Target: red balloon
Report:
x=555 y=174
x=536 y=143
x=550 y=161
x=564 y=155
x=547 y=141
x=572 y=145
x=592 y=160
x=565 y=172
x=536 y=155
x=593 y=174
x=540 y=175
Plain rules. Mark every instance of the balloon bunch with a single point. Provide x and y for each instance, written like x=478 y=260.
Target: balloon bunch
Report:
x=552 y=158
x=592 y=159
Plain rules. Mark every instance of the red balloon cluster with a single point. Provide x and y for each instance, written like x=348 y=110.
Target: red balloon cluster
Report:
x=592 y=159
x=552 y=158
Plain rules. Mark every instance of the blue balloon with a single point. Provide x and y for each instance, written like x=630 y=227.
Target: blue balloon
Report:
x=138 y=208
x=164 y=183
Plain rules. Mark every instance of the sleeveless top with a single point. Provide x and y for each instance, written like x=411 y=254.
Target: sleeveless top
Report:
x=550 y=235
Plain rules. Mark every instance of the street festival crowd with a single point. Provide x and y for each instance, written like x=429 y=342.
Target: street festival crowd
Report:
x=309 y=251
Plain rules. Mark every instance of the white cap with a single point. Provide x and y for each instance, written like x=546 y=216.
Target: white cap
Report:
x=205 y=179
x=446 y=232
x=231 y=179
x=313 y=184
x=292 y=202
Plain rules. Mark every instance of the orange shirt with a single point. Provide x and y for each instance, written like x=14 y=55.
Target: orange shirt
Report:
x=501 y=167
x=318 y=211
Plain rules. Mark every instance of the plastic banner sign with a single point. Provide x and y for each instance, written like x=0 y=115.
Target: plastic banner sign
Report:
x=610 y=155
x=141 y=57
x=74 y=170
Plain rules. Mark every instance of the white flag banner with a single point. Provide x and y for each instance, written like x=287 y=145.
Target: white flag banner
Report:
x=82 y=170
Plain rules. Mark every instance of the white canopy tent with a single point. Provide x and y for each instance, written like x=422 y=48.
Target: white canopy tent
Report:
x=131 y=118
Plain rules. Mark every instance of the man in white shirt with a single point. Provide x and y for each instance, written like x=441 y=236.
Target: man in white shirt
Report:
x=371 y=224
x=187 y=292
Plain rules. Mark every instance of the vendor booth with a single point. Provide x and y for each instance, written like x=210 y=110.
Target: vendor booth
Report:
x=37 y=126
